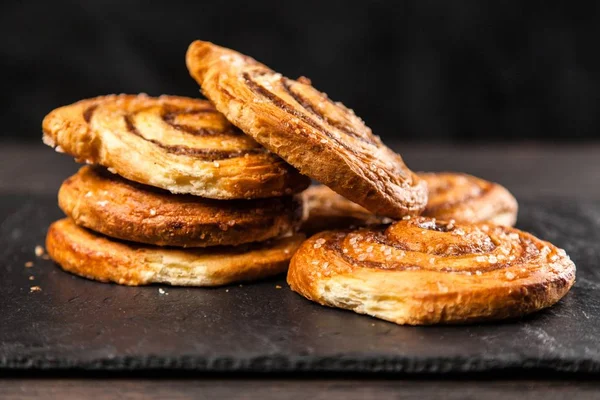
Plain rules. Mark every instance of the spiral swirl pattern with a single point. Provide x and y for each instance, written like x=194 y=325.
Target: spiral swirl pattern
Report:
x=175 y=143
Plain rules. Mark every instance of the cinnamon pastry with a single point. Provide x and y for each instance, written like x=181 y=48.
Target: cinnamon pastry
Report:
x=93 y=256
x=106 y=203
x=174 y=143
x=328 y=210
x=422 y=271
x=466 y=198
x=323 y=139
x=452 y=196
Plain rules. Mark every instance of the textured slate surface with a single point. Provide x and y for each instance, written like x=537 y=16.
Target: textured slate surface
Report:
x=78 y=324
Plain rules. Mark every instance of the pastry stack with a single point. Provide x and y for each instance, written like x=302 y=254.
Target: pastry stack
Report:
x=173 y=193
x=408 y=248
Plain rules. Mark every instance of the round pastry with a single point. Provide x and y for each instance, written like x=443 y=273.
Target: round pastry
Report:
x=84 y=253
x=452 y=196
x=106 y=203
x=323 y=139
x=466 y=198
x=328 y=210
x=174 y=143
x=422 y=271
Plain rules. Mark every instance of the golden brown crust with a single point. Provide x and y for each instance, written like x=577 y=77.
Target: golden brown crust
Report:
x=175 y=143
x=106 y=203
x=422 y=271
x=93 y=256
x=323 y=139
x=452 y=196
x=466 y=198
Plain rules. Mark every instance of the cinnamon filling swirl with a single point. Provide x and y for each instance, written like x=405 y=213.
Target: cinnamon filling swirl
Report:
x=423 y=244
x=191 y=125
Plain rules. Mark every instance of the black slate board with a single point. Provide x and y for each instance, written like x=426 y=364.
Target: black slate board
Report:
x=82 y=325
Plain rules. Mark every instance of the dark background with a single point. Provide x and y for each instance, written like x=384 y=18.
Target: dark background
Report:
x=413 y=70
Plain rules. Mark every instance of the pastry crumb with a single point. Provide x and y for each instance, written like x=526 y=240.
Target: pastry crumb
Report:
x=29 y=264
x=31 y=277
x=162 y=291
x=35 y=289
x=277 y=286
x=39 y=251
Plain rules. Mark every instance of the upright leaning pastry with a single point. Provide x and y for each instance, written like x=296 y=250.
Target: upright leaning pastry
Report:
x=323 y=139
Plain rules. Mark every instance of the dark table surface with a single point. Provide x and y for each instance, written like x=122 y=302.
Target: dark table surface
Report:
x=530 y=171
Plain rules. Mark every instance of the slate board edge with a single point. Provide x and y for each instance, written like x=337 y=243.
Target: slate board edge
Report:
x=321 y=364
